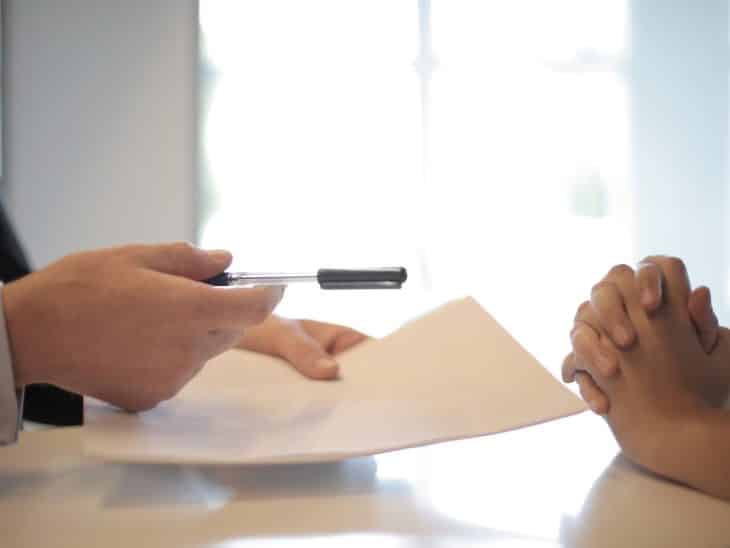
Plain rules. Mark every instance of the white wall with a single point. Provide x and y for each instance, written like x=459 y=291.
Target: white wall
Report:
x=679 y=121
x=101 y=115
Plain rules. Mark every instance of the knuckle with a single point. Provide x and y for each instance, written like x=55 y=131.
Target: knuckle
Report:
x=602 y=287
x=676 y=265
x=585 y=344
x=583 y=311
x=580 y=379
x=653 y=259
x=586 y=384
x=620 y=271
x=647 y=269
x=580 y=335
x=182 y=247
x=608 y=304
x=259 y=311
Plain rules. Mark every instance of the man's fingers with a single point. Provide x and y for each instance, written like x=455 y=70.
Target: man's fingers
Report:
x=182 y=259
x=333 y=338
x=239 y=307
x=591 y=393
x=608 y=303
x=703 y=317
x=650 y=280
x=346 y=340
x=590 y=354
x=308 y=356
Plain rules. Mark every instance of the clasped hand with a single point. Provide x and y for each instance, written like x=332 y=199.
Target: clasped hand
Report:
x=649 y=356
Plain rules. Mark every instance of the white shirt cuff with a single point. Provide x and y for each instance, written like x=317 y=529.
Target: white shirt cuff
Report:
x=11 y=399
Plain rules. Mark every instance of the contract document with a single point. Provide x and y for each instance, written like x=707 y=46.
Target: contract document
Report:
x=453 y=373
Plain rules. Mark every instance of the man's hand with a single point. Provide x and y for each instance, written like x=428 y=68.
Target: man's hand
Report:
x=129 y=325
x=606 y=313
x=307 y=345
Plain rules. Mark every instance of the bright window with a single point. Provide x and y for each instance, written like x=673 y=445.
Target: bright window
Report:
x=476 y=143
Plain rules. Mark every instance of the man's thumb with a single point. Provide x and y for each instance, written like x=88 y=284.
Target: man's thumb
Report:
x=704 y=318
x=184 y=259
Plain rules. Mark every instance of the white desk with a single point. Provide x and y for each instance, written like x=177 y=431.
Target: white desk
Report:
x=556 y=484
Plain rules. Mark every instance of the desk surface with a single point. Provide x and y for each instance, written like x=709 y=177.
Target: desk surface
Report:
x=557 y=484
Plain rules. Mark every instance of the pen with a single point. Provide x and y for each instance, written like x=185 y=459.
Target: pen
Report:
x=327 y=278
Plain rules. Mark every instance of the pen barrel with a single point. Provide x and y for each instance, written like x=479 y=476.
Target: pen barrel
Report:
x=258 y=279
x=328 y=278
x=372 y=278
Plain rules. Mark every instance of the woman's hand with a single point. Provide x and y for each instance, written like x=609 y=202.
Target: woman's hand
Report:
x=606 y=313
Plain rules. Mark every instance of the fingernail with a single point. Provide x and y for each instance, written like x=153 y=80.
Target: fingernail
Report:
x=326 y=363
x=623 y=335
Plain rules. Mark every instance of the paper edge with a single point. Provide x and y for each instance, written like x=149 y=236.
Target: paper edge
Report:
x=314 y=458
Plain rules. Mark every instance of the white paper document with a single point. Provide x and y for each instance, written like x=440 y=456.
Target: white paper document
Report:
x=454 y=373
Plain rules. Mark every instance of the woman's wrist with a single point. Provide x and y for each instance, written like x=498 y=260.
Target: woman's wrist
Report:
x=689 y=453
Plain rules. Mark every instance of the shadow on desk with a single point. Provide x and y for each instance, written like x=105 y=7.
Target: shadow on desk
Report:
x=628 y=506
x=625 y=506
x=326 y=500
x=155 y=484
x=53 y=495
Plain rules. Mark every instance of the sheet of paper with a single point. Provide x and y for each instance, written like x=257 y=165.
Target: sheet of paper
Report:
x=451 y=374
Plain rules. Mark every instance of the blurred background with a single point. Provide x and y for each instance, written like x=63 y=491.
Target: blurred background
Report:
x=509 y=150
